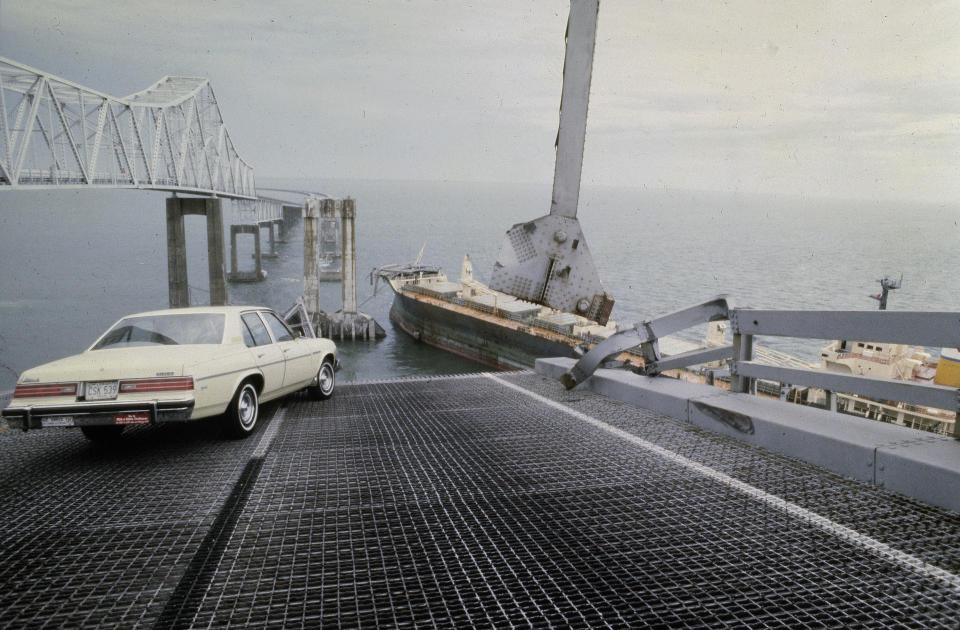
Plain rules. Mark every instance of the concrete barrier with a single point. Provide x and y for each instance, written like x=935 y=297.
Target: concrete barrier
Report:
x=918 y=464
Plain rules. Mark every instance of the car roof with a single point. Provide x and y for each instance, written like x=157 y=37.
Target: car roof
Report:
x=225 y=310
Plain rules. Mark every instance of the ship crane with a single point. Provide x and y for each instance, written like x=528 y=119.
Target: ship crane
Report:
x=546 y=260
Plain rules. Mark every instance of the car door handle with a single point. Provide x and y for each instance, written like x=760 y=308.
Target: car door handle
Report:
x=260 y=356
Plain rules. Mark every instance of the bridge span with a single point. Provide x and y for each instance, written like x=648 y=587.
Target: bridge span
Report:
x=171 y=137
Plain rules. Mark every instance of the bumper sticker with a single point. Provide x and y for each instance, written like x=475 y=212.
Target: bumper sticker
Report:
x=132 y=418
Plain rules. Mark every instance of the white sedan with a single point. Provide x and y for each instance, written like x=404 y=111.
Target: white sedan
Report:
x=172 y=366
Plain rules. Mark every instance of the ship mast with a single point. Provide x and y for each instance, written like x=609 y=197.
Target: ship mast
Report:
x=886 y=285
x=547 y=260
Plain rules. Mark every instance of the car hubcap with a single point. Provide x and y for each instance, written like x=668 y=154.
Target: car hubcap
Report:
x=326 y=378
x=247 y=408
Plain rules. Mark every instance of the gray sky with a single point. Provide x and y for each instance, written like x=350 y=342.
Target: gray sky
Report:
x=839 y=99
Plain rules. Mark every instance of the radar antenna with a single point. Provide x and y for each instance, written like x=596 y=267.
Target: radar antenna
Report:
x=886 y=285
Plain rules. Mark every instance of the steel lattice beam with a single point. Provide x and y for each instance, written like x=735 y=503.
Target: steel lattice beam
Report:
x=171 y=137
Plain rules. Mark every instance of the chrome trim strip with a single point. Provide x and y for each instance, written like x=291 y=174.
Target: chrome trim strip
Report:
x=206 y=378
x=107 y=406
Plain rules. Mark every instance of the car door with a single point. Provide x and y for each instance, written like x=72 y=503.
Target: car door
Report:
x=301 y=366
x=267 y=354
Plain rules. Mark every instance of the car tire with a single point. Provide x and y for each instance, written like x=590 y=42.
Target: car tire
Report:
x=102 y=434
x=326 y=381
x=241 y=417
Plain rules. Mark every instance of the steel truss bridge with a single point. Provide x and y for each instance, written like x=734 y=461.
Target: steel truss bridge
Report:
x=169 y=137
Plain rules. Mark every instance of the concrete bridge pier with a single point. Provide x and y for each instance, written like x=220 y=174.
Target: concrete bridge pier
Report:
x=271 y=227
x=348 y=249
x=177 y=208
x=311 y=262
x=258 y=273
x=347 y=323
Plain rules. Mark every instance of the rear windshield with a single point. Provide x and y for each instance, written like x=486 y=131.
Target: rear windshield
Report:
x=168 y=330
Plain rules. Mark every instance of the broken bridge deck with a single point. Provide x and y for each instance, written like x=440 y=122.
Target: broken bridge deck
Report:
x=480 y=500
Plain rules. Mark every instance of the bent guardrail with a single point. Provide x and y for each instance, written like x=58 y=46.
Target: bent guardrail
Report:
x=936 y=329
x=647 y=334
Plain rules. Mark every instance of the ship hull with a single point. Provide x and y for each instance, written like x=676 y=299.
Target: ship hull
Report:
x=499 y=347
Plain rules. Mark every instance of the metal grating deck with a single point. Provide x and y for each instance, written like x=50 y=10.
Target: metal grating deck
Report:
x=457 y=502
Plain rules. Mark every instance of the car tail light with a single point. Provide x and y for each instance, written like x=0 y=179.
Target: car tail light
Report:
x=39 y=390
x=156 y=385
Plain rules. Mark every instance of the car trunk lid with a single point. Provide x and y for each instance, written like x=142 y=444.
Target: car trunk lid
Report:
x=123 y=363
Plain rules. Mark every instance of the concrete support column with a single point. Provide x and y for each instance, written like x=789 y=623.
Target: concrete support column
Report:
x=176 y=256
x=234 y=262
x=311 y=235
x=349 y=283
x=212 y=209
x=215 y=253
x=257 y=254
x=236 y=275
x=272 y=227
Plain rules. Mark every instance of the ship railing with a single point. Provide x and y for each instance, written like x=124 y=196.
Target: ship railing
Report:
x=933 y=329
x=913 y=328
x=904 y=415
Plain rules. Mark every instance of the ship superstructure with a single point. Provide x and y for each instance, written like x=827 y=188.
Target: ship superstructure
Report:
x=891 y=361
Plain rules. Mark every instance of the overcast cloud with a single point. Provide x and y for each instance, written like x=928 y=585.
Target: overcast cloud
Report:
x=840 y=99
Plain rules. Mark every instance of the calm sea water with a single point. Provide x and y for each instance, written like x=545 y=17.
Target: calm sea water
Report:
x=76 y=261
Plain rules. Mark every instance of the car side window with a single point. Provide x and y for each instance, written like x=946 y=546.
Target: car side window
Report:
x=255 y=328
x=277 y=327
x=248 y=340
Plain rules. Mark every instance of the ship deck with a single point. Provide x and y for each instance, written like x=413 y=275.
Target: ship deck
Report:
x=481 y=500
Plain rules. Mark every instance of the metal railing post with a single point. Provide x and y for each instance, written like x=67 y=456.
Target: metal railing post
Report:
x=742 y=351
x=956 y=420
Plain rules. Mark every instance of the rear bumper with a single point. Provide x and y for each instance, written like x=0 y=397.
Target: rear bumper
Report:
x=98 y=414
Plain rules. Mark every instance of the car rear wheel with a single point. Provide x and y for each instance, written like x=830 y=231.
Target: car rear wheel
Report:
x=326 y=381
x=102 y=434
x=241 y=416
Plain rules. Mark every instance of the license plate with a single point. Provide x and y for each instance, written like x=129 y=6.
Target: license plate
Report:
x=102 y=390
x=140 y=417
x=57 y=421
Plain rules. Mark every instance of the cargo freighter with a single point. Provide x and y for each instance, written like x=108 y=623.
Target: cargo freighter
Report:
x=505 y=332
x=545 y=298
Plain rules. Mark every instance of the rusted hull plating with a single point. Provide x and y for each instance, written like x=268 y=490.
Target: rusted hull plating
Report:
x=493 y=345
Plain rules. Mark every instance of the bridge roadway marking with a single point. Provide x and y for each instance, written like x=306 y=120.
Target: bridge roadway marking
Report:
x=850 y=535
